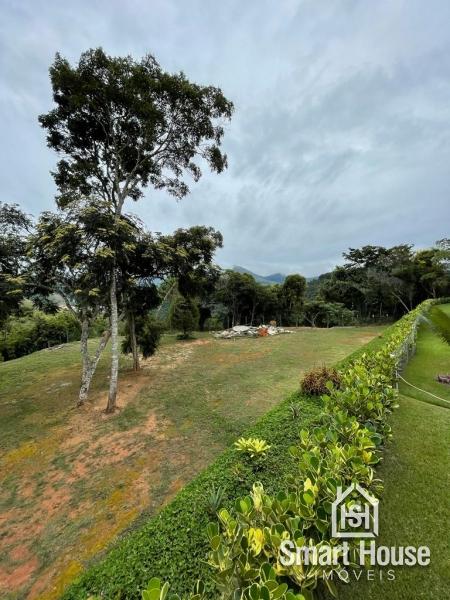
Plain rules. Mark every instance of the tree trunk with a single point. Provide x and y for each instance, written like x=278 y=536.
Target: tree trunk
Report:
x=89 y=366
x=111 y=406
x=84 y=388
x=134 y=346
x=253 y=314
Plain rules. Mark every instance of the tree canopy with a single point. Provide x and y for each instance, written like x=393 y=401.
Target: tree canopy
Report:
x=123 y=124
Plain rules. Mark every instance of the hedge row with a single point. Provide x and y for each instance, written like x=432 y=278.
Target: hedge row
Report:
x=174 y=545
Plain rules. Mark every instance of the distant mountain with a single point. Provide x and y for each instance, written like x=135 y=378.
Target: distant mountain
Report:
x=276 y=277
x=268 y=280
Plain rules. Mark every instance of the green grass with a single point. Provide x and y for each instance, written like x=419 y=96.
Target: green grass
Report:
x=432 y=358
x=191 y=402
x=39 y=391
x=440 y=317
x=445 y=308
x=415 y=471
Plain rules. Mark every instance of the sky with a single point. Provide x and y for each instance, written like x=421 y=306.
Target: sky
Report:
x=341 y=130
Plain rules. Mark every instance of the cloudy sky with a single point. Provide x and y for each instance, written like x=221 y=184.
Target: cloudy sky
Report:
x=341 y=131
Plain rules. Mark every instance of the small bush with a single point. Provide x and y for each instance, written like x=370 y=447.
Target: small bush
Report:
x=148 y=335
x=215 y=500
x=254 y=447
x=314 y=383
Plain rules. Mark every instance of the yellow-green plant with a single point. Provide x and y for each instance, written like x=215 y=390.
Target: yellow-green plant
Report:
x=253 y=447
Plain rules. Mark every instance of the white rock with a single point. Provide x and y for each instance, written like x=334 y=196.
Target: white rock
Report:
x=241 y=328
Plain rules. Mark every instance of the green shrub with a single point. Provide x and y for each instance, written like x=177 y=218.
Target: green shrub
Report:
x=314 y=382
x=213 y=324
x=252 y=447
x=215 y=499
x=98 y=326
x=37 y=330
x=184 y=315
x=148 y=335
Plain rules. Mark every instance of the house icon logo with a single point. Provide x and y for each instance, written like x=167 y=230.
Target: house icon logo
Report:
x=354 y=513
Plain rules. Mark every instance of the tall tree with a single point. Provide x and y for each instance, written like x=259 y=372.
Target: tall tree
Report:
x=292 y=292
x=71 y=254
x=15 y=227
x=122 y=125
x=238 y=292
x=184 y=315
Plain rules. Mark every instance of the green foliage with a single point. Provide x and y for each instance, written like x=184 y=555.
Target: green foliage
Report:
x=314 y=382
x=14 y=229
x=215 y=500
x=37 y=330
x=248 y=301
x=98 y=325
x=148 y=335
x=252 y=447
x=414 y=469
x=379 y=283
x=150 y=125
x=318 y=313
x=295 y=409
x=156 y=591
x=213 y=324
x=292 y=295
x=184 y=315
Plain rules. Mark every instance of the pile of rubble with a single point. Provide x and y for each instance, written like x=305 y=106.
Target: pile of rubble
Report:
x=249 y=331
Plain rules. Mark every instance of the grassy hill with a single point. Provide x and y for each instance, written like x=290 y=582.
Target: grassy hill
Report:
x=73 y=480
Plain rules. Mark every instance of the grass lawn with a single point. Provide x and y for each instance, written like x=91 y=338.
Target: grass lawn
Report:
x=73 y=480
x=431 y=359
x=416 y=467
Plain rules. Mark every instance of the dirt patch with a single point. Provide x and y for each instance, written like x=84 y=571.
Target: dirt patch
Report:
x=18 y=576
x=53 y=501
x=94 y=482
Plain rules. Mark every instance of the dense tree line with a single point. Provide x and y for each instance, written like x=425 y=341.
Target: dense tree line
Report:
x=377 y=282
x=374 y=283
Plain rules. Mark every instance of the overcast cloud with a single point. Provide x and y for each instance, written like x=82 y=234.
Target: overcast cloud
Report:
x=341 y=131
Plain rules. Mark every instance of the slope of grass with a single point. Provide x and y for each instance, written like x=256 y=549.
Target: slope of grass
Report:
x=414 y=507
x=432 y=358
x=72 y=481
x=441 y=320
